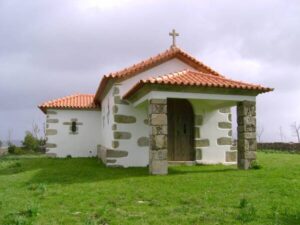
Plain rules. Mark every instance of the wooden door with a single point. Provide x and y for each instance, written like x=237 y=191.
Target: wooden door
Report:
x=180 y=130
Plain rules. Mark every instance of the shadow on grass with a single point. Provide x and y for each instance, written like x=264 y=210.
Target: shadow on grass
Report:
x=286 y=217
x=80 y=170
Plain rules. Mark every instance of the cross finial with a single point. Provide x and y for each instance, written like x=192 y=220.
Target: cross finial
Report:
x=174 y=35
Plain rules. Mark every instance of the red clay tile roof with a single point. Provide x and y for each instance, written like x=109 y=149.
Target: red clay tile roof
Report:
x=173 y=52
x=198 y=79
x=75 y=101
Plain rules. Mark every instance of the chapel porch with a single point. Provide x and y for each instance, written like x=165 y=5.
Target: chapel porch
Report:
x=162 y=143
x=201 y=91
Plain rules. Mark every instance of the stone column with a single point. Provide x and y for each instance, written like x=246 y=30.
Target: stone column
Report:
x=246 y=118
x=158 y=124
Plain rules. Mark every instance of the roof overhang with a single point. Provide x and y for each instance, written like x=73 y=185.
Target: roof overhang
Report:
x=154 y=91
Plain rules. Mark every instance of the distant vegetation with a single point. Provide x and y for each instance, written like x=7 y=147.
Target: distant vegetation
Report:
x=33 y=142
x=30 y=144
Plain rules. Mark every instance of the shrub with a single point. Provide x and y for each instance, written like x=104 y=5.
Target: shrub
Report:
x=31 y=143
x=255 y=165
x=19 y=151
x=11 y=149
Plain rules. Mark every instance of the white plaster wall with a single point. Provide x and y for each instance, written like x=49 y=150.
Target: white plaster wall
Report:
x=137 y=155
x=107 y=119
x=173 y=65
x=83 y=144
x=214 y=153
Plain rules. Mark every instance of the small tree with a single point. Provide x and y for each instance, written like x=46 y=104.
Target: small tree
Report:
x=1 y=143
x=259 y=133
x=9 y=135
x=35 y=130
x=296 y=130
x=31 y=143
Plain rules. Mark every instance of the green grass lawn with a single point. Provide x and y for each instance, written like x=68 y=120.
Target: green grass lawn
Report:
x=39 y=190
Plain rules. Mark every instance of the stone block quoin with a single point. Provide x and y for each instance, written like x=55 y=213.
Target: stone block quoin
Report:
x=158 y=122
x=246 y=118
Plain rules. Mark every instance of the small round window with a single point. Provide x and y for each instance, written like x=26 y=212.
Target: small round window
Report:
x=74 y=126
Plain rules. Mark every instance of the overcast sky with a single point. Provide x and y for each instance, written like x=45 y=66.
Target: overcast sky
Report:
x=53 y=48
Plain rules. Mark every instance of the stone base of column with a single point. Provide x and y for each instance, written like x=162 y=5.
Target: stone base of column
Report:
x=159 y=167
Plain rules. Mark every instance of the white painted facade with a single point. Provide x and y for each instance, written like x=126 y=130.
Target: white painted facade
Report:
x=214 y=153
x=82 y=144
x=99 y=127
x=173 y=65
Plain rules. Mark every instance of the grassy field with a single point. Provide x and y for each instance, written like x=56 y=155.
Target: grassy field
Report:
x=36 y=190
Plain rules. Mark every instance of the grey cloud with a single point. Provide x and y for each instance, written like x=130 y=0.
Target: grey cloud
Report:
x=49 y=49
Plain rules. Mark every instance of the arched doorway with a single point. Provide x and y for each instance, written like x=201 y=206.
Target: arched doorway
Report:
x=180 y=130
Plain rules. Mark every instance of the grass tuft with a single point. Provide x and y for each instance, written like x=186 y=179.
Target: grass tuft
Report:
x=247 y=211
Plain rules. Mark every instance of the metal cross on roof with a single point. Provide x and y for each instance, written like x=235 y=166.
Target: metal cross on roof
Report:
x=173 y=34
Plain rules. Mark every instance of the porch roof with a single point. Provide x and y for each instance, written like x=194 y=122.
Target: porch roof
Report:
x=196 y=79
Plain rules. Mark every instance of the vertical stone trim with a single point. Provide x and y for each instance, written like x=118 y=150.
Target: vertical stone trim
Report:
x=198 y=142
x=158 y=120
x=246 y=118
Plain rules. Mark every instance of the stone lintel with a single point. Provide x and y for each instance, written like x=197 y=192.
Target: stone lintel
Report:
x=110 y=153
x=115 y=144
x=122 y=135
x=124 y=119
x=198 y=153
x=51 y=132
x=224 y=125
x=143 y=141
x=52 y=121
x=224 y=141
x=231 y=156
x=202 y=143
x=224 y=110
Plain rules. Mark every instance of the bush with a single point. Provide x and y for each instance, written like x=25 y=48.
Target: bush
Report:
x=19 y=151
x=255 y=165
x=11 y=149
x=31 y=143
